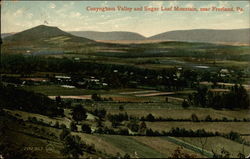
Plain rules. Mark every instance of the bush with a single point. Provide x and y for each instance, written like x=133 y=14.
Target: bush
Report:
x=73 y=126
x=234 y=136
x=185 y=104
x=64 y=133
x=123 y=132
x=86 y=128
x=63 y=126
x=150 y=117
x=56 y=125
x=133 y=125
x=208 y=118
x=79 y=113
x=194 y=118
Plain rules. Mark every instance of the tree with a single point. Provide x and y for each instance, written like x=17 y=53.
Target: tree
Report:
x=58 y=99
x=178 y=153
x=133 y=125
x=73 y=147
x=96 y=97
x=64 y=133
x=86 y=128
x=150 y=117
x=73 y=126
x=123 y=132
x=101 y=113
x=56 y=124
x=185 y=104
x=126 y=156
x=121 y=108
x=142 y=128
x=149 y=132
x=194 y=118
x=223 y=154
x=166 y=99
x=79 y=113
x=63 y=126
x=208 y=118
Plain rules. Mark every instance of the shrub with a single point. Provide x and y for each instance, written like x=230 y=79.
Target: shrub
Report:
x=63 y=126
x=133 y=125
x=185 y=104
x=208 y=118
x=194 y=118
x=150 y=117
x=86 y=128
x=73 y=126
x=56 y=124
x=64 y=133
x=123 y=132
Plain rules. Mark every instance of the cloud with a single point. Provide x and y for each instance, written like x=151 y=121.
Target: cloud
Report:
x=74 y=14
x=173 y=3
x=189 y=5
x=19 y=12
x=223 y=4
x=156 y=4
x=30 y=15
x=104 y=4
x=52 y=5
x=116 y=20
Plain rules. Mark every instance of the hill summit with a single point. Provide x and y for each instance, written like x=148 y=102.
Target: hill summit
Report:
x=43 y=32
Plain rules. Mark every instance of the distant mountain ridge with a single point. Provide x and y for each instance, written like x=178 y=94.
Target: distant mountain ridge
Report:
x=196 y=35
x=4 y=35
x=206 y=35
x=115 y=35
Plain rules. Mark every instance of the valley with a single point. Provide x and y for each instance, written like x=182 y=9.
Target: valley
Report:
x=81 y=97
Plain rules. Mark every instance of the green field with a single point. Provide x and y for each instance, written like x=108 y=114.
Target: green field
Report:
x=217 y=143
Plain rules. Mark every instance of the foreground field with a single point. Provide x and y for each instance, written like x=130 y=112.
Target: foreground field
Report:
x=216 y=144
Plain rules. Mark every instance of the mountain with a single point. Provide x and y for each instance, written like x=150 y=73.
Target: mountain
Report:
x=206 y=35
x=45 y=40
x=115 y=35
x=43 y=32
x=4 y=35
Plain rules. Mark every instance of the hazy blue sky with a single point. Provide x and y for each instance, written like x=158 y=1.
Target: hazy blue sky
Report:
x=73 y=16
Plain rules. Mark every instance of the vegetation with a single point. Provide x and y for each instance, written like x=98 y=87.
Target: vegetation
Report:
x=79 y=113
x=235 y=99
x=135 y=101
x=15 y=98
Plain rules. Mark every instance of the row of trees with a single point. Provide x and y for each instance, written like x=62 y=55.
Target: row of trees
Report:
x=237 y=97
x=193 y=118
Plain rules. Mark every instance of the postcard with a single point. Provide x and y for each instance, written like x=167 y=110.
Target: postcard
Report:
x=125 y=79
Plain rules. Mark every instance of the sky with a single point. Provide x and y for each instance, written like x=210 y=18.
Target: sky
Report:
x=73 y=16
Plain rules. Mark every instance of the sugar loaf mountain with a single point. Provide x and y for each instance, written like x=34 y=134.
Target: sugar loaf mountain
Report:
x=43 y=39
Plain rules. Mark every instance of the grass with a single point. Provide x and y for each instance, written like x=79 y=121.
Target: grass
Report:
x=45 y=119
x=133 y=147
x=217 y=143
x=223 y=127
x=41 y=147
x=168 y=110
x=189 y=146
x=100 y=143
x=165 y=147
x=55 y=90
